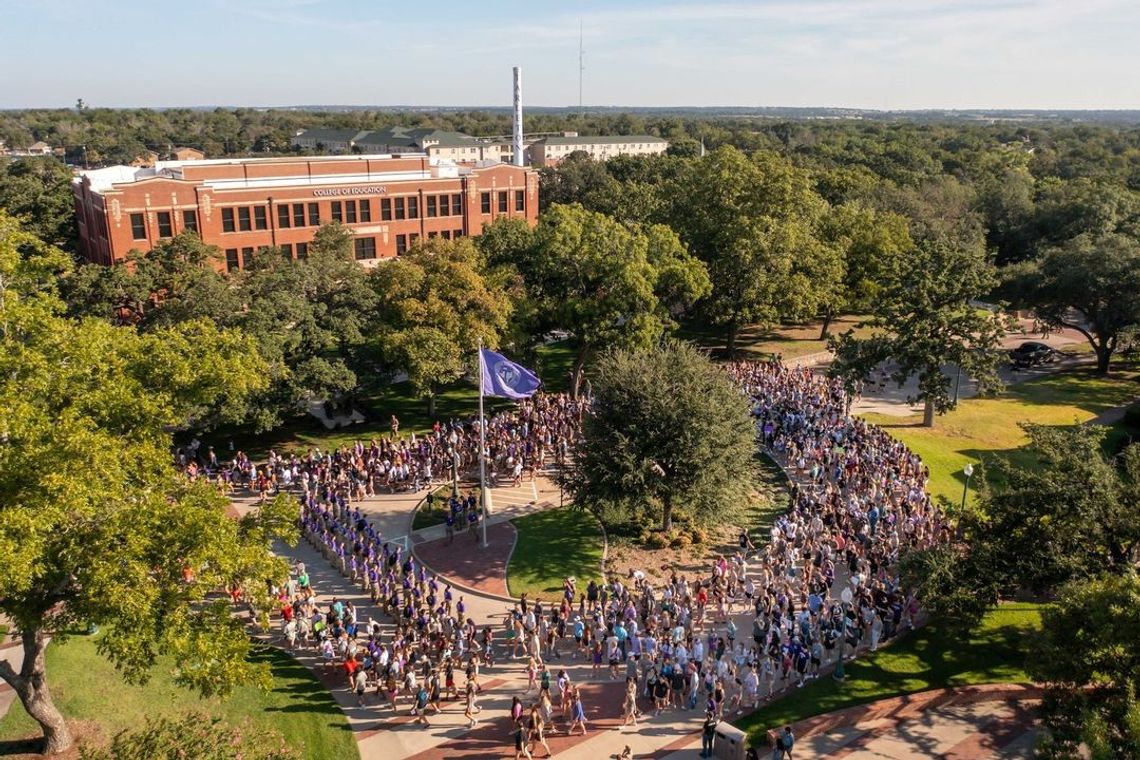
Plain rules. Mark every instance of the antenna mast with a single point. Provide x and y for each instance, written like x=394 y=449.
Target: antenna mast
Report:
x=581 y=69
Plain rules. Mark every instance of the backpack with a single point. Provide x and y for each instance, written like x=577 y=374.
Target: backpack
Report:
x=422 y=697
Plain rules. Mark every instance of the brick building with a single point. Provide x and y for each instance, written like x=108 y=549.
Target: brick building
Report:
x=242 y=204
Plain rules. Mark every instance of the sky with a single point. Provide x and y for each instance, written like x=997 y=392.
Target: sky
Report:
x=885 y=54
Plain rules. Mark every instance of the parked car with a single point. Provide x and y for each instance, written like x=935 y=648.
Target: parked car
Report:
x=1032 y=354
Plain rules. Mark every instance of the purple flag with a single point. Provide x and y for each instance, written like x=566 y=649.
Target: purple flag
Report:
x=502 y=377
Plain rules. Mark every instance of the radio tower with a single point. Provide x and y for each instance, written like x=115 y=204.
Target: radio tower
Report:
x=581 y=70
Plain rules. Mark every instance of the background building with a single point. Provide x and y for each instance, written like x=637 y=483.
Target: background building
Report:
x=549 y=151
x=540 y=150
x=242 y=204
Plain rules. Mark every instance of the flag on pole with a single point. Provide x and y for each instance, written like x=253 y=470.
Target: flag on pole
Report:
x=502 y=377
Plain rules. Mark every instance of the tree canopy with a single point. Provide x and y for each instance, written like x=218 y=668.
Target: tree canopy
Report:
x=668 y=428
x=1089 y=284
x=608 y=284
x=433 y=306
x=97 y=526
x=924 y=319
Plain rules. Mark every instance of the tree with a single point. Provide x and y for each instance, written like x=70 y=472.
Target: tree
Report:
x=668 y=428
x=577 y=179
x=608 y=284
x=433 y=305
x=1089 y=284
x=1086 y=655
x=310 y=319
x=865 y=242
x=754 y=223
x=97 y=526
x=38 y=192
x=923 y=320
x=1064 y=512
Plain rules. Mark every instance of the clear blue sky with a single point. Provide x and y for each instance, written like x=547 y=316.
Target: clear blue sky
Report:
x=854 y=53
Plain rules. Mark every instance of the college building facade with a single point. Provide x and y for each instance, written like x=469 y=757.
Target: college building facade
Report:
x=243 y=204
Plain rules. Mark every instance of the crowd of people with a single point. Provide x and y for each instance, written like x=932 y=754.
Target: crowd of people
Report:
x=519 y=442
x=820 y=585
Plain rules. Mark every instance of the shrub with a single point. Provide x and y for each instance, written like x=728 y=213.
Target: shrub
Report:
x=1132 y=415
x=657 y=540
x=699 y=535
x=680 y=541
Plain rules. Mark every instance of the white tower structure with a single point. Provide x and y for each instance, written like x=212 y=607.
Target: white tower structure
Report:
x=517 y=126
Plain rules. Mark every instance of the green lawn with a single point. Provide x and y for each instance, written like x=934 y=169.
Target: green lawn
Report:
x=756 y=342
x=86 y=687
x=981 y=428
x=552 y=545
x=929 y=658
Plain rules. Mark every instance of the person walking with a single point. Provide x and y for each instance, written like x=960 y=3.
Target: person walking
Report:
x=708 y=734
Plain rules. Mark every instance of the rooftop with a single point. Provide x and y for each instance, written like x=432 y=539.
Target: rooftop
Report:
x=602 y=140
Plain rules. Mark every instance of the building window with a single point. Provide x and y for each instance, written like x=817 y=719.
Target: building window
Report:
x=431 y=207
x=457 y=204
x=399 y=208
x=502 y=201
x=298 y=214
x=302 y=250
x=401 y=244
x=165 y=228
x=485 y=203
x=246 y=257
x=260 y=218
x=287 y=251
x=413 y=208
x=232 y=259
x=386 y=209
x=228 y=220
x=138 y=226
x=190 y=219
x=337 y=211
x=520 y=200
x=365 y=248
x=243 y=219
x=365 y=210
x=314 y=215
x=457 y=234
x=350 y=212
x=413 y=238
x=432 y=235
x=283 y=216
x=446 y=234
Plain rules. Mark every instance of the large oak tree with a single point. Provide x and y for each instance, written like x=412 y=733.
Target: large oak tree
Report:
x=95 y=525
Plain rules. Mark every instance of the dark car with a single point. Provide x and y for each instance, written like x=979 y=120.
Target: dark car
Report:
x=1031 y=354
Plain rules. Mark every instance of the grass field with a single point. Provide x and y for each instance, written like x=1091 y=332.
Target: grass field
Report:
x=929 y=658
x=552 y=545
x=983 y=428
x=755 y=342
x=87 y=688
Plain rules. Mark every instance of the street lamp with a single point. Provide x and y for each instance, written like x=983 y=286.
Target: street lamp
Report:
x=455 y=473
x=967 y=471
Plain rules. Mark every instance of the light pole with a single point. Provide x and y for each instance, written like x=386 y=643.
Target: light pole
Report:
x=957 y=384
x=967 y=471
x=455 y=473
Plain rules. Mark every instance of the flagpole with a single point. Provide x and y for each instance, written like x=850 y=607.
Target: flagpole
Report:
x=482 y=448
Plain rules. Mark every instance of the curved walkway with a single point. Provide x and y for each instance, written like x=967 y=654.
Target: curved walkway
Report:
x=990 y=720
